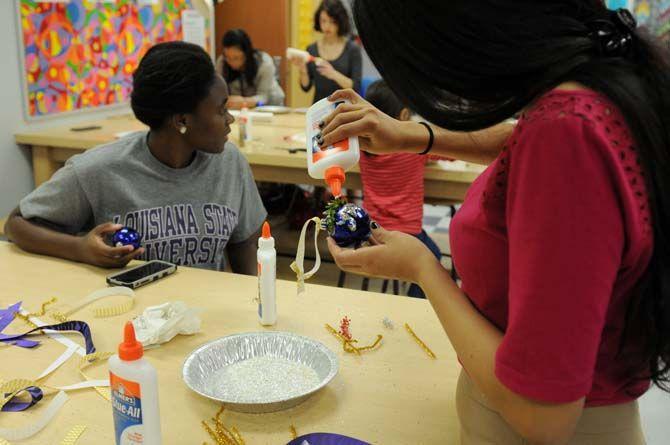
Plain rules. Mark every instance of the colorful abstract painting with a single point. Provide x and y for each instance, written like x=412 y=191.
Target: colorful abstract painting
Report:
x=82 y=54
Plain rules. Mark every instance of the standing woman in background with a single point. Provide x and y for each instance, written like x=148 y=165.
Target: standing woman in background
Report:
x=339 y=58
x=563 y=243
x=250 y=73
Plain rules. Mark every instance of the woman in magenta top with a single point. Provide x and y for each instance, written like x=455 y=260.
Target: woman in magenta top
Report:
x=563 y=317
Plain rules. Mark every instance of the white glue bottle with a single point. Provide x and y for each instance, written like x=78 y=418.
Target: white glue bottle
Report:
x=328 y=163
x=244 y=125
x=267 y=277
x=134 y=386
x=295 y=53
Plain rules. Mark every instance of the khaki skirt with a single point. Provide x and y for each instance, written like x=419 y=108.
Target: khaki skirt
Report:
x=481 y=425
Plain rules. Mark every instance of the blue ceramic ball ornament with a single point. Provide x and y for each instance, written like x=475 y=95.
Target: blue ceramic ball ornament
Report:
x=126 y=237
x=347 y=224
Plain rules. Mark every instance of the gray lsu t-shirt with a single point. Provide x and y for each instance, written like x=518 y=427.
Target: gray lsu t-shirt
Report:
x=186 y=216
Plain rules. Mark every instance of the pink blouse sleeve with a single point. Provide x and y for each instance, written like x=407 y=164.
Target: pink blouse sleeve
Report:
x=565 y=231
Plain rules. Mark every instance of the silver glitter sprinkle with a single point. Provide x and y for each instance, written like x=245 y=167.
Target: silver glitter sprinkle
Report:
x=388 y=323
x=263 y=377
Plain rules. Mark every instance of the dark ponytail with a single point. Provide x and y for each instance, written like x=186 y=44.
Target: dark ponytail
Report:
x=466 y=65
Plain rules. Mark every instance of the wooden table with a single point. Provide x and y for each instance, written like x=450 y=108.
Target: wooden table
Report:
x=267 y=154
x=393 y=395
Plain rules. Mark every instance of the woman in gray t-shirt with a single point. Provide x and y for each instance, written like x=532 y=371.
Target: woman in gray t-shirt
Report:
x=250 y=73
x=188 y=192
x=338 y=58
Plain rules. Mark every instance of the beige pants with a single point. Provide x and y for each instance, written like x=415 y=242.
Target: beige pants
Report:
x=481 y=425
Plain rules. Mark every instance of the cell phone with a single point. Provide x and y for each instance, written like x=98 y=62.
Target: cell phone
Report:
x=142 y=274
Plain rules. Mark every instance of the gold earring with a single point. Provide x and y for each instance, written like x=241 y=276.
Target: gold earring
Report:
x=182 y=130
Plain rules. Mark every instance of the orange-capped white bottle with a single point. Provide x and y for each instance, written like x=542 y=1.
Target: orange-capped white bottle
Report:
x=134 y=386
x=329 y=163
x=267 y=277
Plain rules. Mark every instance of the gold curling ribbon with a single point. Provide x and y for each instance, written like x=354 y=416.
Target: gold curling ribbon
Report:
x=221 y=434
x=26 y=320
x=73 y=435
x=294 y=433
x=43 y=309
x=425 y=347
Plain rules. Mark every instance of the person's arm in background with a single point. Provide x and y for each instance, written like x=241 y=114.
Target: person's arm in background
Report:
x=48 y=222
x=307 y=71
x=379 y=133
x=43 y=238
x=242 y=255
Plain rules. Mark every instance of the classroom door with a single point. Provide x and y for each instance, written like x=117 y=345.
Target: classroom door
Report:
x=266 y=22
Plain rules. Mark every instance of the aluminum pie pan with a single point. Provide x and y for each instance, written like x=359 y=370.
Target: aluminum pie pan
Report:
x=210 y=359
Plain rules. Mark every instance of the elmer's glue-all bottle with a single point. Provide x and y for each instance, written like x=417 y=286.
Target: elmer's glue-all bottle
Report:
x=295 y=53
x=134 y=386
x=328 y=163
x=267 y=277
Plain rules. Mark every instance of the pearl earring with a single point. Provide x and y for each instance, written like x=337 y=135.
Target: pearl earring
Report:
x=182 y=130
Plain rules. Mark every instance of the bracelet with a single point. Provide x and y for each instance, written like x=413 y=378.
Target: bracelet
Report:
x=431 y=139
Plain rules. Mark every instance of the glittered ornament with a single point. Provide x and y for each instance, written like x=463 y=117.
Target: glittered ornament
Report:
x=127 y=237
x=346 y=223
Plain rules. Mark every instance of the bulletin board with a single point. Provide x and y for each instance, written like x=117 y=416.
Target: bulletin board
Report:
x=79 y=55
x=653 y=15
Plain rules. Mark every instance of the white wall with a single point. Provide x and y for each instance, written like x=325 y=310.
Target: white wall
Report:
x=15 y=165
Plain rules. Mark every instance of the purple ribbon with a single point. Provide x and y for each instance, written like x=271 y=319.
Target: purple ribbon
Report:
x=6 y=317
x=326 y=439
x=78 y=326
x=35 y=396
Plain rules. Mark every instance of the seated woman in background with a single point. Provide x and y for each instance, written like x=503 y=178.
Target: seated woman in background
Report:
x=339 y=62
x=189 y=194
x=250 y=73
x=393 y=183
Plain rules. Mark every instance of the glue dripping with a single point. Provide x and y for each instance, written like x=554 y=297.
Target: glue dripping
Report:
x=134 y=386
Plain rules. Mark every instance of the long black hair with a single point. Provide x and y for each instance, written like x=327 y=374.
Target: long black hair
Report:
x=469 y=64
x=239 y=39
x=172 y=78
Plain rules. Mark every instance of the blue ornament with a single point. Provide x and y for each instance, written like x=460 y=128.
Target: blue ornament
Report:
x=347 y=224
x=126 y=237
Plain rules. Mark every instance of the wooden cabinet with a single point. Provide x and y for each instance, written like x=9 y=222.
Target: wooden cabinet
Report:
x=266 y=22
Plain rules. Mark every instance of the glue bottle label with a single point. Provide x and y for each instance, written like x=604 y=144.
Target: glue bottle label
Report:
x=318 y=152
x=127 y=408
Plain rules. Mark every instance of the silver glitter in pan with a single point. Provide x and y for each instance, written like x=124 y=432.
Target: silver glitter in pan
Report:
x=260 y=372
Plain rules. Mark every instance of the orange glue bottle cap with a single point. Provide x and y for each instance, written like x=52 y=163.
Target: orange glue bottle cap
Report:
x=266 y=230
x=130 y=349
x=335 y=179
